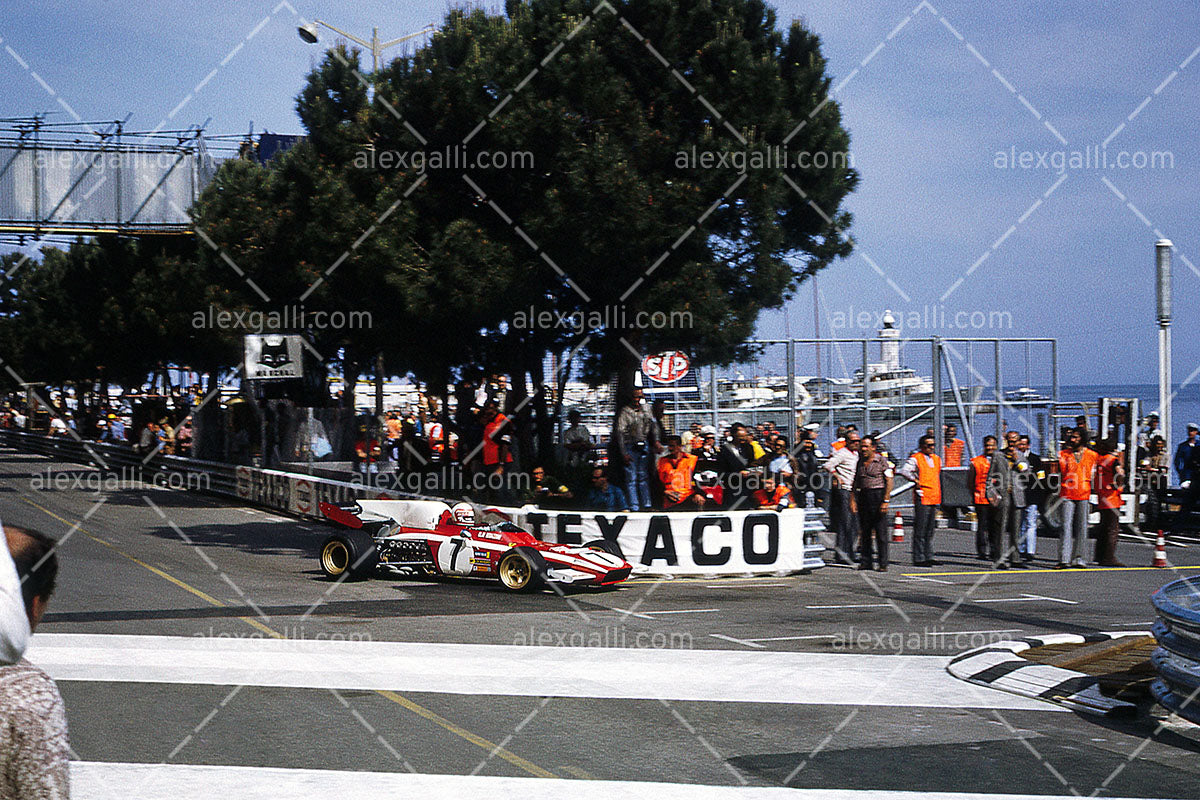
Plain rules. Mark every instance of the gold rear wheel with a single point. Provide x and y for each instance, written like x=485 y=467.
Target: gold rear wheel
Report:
x=335 y=558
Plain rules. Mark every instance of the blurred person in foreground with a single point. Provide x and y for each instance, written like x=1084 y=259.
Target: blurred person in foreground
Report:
x=33 y=734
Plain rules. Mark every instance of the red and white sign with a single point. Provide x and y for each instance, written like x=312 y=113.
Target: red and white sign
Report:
x=666 y=367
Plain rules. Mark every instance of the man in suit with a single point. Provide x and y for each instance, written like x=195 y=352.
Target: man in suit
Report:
x=1000 y=494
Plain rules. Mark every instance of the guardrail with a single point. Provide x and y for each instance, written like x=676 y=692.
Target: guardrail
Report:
x=273 y=489
x=1177 y=658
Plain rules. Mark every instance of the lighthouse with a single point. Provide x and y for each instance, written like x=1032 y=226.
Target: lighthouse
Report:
x=889 y=343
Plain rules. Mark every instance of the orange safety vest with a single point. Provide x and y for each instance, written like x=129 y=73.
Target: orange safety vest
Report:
x=781 y=495
x=1107 y=492
x=981 y=465
x=929 y=480
x=954 y=452
x=677 y=477
x=1076 y=475
x=837 y=444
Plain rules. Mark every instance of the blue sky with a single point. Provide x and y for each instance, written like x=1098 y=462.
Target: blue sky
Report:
x=926 y=115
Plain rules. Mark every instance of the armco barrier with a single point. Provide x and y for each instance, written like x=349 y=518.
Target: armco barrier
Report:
x=1177 y=659
x=677 y=544
x=280 y=491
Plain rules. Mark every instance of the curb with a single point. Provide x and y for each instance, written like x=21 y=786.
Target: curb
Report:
x=998 y=666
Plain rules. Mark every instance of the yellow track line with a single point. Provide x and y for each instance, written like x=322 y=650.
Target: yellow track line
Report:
x=398 y=699
x=1020 y=571
x=511 y=758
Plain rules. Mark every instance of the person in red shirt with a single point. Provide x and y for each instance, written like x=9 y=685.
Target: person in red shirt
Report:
x=985 y=519
x=675 y=470
x=1110 y=477
x=497 y=453
x=1076 y=466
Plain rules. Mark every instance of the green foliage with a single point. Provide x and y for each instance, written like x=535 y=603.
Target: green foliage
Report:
x=606 y=201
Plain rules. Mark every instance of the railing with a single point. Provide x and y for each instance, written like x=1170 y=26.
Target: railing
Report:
x=1177 y=659
x=280 y=491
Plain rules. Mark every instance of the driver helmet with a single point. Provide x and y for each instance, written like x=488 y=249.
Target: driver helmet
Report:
x=463 y=513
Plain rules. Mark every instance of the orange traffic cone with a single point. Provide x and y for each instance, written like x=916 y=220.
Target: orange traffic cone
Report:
x=1160 y=551
x=898 y=529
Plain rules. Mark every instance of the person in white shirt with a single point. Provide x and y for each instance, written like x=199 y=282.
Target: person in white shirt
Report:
x=577 y=440
x=842 y=465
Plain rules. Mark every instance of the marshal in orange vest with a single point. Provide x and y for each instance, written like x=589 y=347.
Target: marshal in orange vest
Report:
x=929 y=479
x=981 y=465
x=1076 y=474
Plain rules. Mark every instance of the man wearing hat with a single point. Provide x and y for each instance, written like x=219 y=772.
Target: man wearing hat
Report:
x=1149 y=430
x=1184 y=453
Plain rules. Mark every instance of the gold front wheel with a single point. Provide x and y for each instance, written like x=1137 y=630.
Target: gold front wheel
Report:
x=515 y=572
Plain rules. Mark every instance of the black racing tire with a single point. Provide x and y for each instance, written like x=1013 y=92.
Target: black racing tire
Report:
x=608 y=546
x=349 y=555
x=522 y=569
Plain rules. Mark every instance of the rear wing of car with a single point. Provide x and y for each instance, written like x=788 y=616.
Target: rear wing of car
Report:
x=346 y=514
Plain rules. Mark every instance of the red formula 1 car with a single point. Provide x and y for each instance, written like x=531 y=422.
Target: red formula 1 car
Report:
x=419 y=537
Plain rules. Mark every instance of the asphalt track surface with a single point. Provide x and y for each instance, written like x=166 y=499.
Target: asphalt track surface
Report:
x=200 y=651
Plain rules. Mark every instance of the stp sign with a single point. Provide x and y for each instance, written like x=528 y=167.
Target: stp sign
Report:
x=666 y=367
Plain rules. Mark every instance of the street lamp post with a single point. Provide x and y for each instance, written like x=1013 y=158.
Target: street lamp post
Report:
x=308 y=32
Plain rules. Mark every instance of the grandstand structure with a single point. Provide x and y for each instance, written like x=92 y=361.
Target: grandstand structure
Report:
x=80 y=179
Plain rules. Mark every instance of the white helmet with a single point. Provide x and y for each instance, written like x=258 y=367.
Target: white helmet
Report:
x=463 y=513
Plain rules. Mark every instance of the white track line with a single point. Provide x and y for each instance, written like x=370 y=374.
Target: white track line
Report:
x=512 y=670
x=93 y=780
x=1026 y=598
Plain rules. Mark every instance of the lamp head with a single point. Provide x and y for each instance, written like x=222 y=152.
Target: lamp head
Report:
x=308 y=32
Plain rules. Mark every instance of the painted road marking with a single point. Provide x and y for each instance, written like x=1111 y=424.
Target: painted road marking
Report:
x=857 y=605
x=1018 y=572
x=94 y=780
x=662 y=673
x=416 y=708
x=684 y=611
x=1025 y=598
x=746 y=642
x=751 y=586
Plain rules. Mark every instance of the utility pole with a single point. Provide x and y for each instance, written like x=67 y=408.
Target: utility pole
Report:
x=1162 y=250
